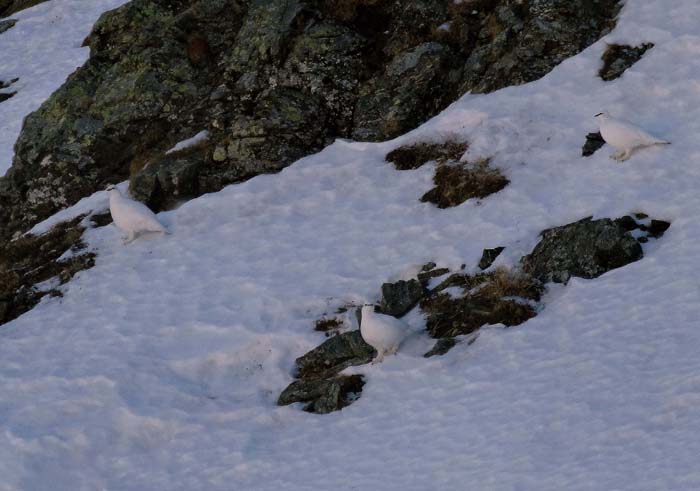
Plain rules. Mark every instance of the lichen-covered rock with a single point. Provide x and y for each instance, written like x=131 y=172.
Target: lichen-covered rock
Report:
x=512 y=42
x=323 y=396
x=400 y=297
x=619 y=57
x=271 y=81
x=318 y=383
x=334 y=355
x=586 y=249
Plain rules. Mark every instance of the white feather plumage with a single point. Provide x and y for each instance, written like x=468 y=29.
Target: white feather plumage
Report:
x=624 y=136
x=382 y=332
x=131 y=216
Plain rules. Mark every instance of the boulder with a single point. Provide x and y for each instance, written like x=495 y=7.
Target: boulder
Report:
x=586 y=249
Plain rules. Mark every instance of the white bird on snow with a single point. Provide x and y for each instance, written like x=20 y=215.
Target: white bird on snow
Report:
x=382 y=332
x=624 y=136
x=131 y=216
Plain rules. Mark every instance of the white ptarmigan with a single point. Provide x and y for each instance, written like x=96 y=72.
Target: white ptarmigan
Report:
x=624 y=136
x=382 y=332
x=131 y=216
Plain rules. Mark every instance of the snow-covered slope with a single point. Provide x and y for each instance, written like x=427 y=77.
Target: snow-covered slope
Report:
x=160 y=367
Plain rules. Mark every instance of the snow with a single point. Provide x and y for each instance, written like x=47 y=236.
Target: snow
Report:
x=200 y=137
x=56 y=30
x=160 y=367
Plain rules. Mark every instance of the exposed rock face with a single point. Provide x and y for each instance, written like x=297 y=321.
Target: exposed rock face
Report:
x=271 y=81
x=586 y=249
x=619 y=57
x=318 y=384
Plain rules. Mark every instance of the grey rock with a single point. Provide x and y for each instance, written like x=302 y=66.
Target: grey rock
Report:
x=334 y=355
x=7 y=24
x=400 y=297
x=586 y=249
x=323 y=396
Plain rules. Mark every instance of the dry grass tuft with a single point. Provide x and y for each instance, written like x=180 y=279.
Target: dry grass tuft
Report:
x=456 y=183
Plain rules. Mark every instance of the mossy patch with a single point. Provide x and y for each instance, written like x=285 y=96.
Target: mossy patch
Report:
x=456 y=183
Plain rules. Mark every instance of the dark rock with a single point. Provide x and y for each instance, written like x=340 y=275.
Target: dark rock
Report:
x=33 y=259
x=619 y=57
x=318 y=382
x=9 y=7
x=426 y=276
x=456 y=183
x=323 y=396
x=627 y=223
x=5 y=96
x=442 y=346
x=7 y=24
x=101 y=219
x=334 y=355
x=489 y=256
x=415 y=155
x=658 y=228
x=428 y=267
x=509 y=43
x=594 y=142
x=497 y=297
x=400 y=297
x=272 y=82
x=586 y=249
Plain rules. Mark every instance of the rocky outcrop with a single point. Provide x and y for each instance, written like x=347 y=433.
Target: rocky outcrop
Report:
x=271 y=82
x=323 y=396
x=589 y=248
x=619 y=57
x=318 y=383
